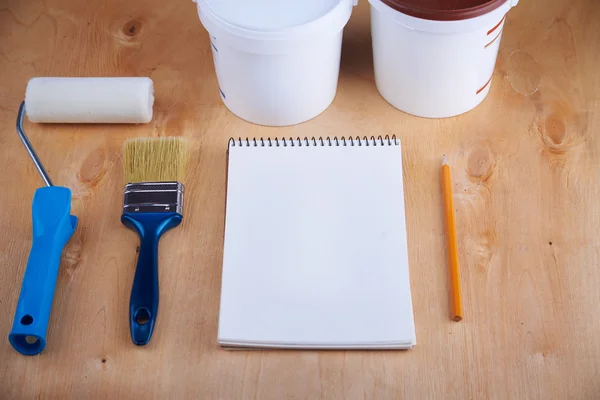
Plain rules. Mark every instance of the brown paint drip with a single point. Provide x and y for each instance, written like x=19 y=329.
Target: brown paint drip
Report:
x=497 y=26
x=493 y=40
x=484 y=86
x=444 y=10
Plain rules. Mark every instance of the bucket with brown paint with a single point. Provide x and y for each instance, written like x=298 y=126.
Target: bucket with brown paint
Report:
x=436 y=58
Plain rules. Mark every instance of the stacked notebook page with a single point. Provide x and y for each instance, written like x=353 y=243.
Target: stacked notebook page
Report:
x=315 y=250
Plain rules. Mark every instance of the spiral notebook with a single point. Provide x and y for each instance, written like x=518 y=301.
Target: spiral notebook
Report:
x=315 y=250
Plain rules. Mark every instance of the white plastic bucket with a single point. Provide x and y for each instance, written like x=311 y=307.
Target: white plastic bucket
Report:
x=277 y=61
x=431 y=68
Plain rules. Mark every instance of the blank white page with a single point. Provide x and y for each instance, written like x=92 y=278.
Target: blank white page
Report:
x=315 y=251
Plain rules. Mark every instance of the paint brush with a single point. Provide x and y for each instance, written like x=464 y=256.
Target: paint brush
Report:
x=154 y=171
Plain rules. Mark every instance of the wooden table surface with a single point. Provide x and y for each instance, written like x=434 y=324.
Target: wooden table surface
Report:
x=527 y=188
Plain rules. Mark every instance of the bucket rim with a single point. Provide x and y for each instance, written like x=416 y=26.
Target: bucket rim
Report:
x=334 y=20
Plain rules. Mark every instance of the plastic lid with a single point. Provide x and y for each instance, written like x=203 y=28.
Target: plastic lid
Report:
x=270 y=15
x=444 y=10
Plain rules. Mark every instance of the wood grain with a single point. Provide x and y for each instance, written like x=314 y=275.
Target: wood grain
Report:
x=526 y=173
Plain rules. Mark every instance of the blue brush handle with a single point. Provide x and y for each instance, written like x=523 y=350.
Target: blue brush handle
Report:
x=53 y=226
x=143 y=305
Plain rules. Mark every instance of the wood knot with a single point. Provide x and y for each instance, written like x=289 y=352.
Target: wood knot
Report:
x=92 y=168
x=482 y=248
x=480 y=164
x=170 y=84
x=132 y=27
x=554 y=130
x=71 y=257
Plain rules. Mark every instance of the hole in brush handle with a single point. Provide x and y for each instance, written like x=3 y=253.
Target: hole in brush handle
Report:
x=142 y=325
x=142 y=316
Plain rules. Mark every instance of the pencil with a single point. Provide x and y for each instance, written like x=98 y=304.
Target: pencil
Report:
x=451 y=243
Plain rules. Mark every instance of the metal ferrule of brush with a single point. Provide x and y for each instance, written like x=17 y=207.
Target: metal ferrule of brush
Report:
x=147 y=197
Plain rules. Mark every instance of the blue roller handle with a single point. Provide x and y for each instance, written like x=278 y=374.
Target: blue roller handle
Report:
x=143 y=304
x=53 y=226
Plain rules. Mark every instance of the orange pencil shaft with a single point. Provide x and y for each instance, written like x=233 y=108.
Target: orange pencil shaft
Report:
x=452 y=244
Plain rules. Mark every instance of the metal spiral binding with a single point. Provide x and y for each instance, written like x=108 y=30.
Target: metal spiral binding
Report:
x=313 y=141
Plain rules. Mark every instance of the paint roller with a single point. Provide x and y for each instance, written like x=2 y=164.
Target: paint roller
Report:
x=63 y=100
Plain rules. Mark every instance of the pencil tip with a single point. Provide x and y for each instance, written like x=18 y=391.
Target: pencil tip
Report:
x=444 y=160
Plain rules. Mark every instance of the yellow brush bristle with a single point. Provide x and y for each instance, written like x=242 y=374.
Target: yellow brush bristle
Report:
x=155 y=159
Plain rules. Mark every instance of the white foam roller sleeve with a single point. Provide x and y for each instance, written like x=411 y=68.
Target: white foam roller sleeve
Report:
x=90 y=100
